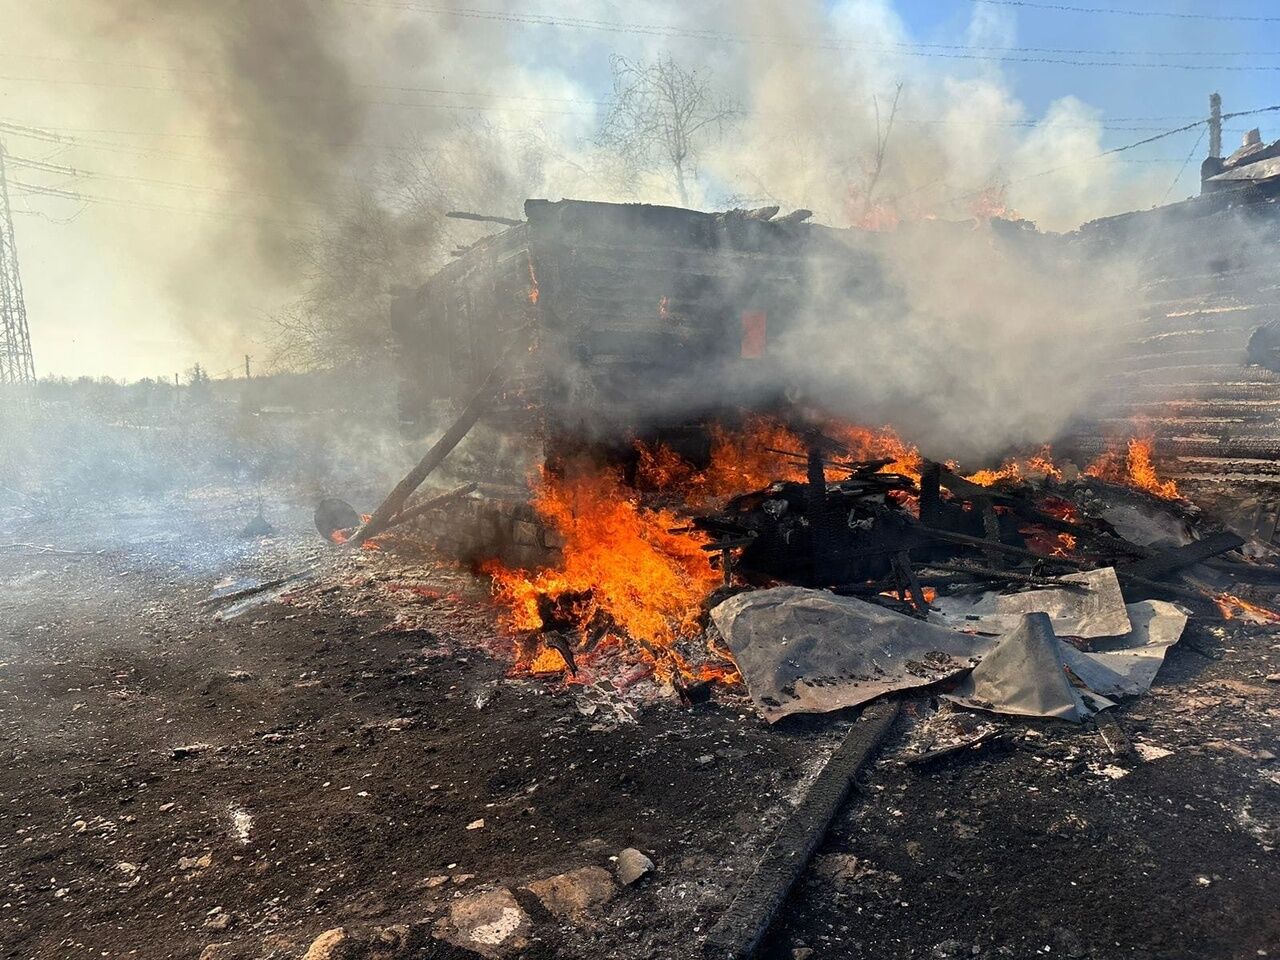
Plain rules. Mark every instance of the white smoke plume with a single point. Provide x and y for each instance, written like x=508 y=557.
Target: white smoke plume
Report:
x=335 y=134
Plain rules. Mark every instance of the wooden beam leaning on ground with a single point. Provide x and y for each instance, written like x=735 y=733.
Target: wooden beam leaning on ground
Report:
x=399 y=496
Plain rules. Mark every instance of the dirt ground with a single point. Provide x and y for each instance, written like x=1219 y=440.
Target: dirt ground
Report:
x=176 y=785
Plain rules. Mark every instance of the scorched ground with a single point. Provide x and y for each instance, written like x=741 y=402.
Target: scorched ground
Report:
x=177 y=786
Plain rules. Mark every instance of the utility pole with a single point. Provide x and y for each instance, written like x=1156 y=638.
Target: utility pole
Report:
x=16 y=365
x=247 y=358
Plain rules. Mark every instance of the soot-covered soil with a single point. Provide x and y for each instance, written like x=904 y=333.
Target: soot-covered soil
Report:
x=177 y=786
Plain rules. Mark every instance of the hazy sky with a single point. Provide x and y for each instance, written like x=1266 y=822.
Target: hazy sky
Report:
x=171 y=249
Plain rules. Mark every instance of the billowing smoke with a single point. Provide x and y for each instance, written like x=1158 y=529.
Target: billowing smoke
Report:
x=334 y=135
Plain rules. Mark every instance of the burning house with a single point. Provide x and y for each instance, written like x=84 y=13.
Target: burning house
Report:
x=640 y=319
x=679 y=457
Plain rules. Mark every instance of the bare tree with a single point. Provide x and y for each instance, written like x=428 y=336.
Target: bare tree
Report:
x=882 y=143
x=661 y=115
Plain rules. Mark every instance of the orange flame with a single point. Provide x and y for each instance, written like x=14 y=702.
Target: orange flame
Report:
x=1136 y=469
x=619 y=561
x=757 y=455
x=1016 y=470
x=533 y=283
x=1229 y=604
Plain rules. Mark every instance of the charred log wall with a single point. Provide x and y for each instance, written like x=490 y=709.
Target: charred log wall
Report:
x=1200 y=361
x=643 y=313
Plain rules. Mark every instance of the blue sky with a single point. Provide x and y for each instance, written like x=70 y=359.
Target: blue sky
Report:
x=1134 y=92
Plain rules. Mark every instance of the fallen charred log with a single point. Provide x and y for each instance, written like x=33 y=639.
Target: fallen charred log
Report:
x=738 y=933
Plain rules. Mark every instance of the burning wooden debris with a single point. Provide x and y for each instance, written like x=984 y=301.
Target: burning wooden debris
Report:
x=635 y=549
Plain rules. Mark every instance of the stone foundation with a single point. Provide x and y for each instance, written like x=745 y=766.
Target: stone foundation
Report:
x=492 y=527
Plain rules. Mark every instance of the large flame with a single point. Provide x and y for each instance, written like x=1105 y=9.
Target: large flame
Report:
x=621 y=565
x=1135 y=469
x=765 y=451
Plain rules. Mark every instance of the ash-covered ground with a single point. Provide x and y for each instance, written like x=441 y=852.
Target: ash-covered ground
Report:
x=351 y=754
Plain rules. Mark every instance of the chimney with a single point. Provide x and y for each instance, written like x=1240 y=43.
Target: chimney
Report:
x=1215 y=125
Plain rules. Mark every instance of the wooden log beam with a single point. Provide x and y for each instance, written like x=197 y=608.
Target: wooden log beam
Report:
x=435 y=503
x=738 y=932
x=403 y=490
x=482 y=218
x=1179 y=558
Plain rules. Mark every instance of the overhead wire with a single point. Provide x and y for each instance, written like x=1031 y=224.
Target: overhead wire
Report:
x=669 y=31
x=1128 y=12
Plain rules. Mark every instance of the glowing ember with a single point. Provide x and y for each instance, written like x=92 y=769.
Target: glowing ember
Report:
x=1046 y=541
x=620 y=565
x=1135 y=469
x=342 y=536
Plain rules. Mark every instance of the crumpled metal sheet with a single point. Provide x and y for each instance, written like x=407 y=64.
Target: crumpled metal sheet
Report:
x=1027 y=672
x=1126 y=666
x=809 y=651
x=1099 y=612
x=1024 y=675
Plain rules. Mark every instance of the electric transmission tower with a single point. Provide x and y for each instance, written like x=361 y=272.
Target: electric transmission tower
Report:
x=16 y=365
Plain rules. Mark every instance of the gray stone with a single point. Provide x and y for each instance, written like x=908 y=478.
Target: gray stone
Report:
x=632 y=865
x=334 y=944
x=491 y=924
x=525 y=533
x=576 y=892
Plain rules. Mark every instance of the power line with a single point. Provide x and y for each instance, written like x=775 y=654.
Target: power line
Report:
x=719 y=36
x=38 y=189
x=124 y=178
x=820 y=42
x=1183 y=169
x=1066 y=8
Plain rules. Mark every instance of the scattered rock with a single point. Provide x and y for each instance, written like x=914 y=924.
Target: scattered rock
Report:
x=202 y=862
x=335 y=944
x=491 y=924
x=632 y=865
x=476 y=824
x=802 y=953
x=576 y=892
x=217 y=920
x=1273 y=678
x=431 y=883
x=190 y=750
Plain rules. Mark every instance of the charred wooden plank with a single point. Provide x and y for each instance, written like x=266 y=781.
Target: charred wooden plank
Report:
x=902 y=564
x=1171 y=561
x=482 y=218
x=738 y=932
x=435 y=503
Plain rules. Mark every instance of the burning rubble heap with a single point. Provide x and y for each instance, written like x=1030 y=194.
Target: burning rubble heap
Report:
x=633 y=552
